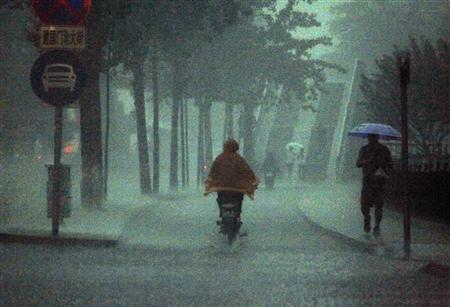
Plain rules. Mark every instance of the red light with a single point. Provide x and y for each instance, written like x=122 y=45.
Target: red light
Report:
x=68 y=149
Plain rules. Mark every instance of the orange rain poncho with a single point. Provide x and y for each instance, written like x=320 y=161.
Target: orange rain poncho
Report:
x=230 y=172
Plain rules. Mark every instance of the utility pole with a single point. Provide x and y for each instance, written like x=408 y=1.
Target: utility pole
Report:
x=56 y=174
x=108 y=121
x=403 y=64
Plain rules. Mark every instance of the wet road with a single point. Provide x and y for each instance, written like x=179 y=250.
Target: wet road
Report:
x=171 y=254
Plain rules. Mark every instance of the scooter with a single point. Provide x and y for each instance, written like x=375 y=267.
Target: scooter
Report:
x=230 y=223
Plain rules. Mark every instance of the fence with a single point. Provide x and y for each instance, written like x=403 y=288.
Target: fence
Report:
x=395 y=148
x=421 y=166
x=428 y=188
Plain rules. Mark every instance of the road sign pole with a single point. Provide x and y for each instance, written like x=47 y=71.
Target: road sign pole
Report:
x=60 y=18
x=404 y=80
x=108 y=122
x=56 y=208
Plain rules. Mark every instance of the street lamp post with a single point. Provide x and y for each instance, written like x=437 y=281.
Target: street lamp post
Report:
x=403 y=64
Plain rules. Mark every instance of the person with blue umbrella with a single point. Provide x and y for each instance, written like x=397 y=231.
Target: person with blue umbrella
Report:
x=375 y=161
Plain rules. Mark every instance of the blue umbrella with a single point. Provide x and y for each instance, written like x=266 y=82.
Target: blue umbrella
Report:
x=385 y=132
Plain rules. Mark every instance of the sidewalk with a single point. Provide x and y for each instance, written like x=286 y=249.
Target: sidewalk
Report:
x=29 y=223
x=335 y=208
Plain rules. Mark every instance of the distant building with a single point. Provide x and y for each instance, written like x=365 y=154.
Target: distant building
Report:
x=322 y=133
x=352 y=113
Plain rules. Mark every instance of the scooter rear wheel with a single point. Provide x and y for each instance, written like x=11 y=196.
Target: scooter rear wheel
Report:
x=231 y=237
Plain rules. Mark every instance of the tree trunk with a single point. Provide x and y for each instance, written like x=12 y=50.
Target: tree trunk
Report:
x=262 y=130
x=208 y=134
x=186 y=137
x=229 y=120
x=282 y=129
x=200 y=146
x=90 y=119
x=155 y=84
x=176 y=95
x=225 y=126
x=183 y=143
x=248 y=134
x=108 y=123
x=139 y=103
x=241 y=128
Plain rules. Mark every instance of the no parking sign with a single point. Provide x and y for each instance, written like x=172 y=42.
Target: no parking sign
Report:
x=62 y=12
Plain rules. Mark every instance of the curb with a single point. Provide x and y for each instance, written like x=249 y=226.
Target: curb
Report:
x=437 y=269
x=62 y=240
x=335 y=234
x=432 y=267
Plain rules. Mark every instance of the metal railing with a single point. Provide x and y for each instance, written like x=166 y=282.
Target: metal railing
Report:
x=419 y=165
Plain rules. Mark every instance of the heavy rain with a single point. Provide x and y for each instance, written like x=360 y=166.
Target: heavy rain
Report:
x=224 y=153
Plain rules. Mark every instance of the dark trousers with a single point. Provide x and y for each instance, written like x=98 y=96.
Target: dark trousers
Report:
x=372 y=195
x=301 y=174
x=289 y=167
x=230 y=197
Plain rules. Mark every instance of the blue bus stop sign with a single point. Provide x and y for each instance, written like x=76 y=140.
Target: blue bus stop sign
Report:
x=61 y=12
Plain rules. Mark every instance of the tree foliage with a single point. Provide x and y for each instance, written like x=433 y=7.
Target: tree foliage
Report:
x=17 y=102
x=368 y=29
x=232 y=51
x=428 y=94
x=253 y=59
x=260 y=54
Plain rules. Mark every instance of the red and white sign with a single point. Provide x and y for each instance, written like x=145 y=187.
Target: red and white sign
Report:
x=62 y=12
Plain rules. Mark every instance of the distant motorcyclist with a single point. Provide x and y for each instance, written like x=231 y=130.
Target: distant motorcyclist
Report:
x=231 y=176
x=295 y=159
x=270 y=170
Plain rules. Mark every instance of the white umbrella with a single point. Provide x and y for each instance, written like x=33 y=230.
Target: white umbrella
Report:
x=296 y=147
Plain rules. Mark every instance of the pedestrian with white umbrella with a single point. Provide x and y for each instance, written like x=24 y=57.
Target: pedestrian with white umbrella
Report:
x=375 y=161
x=295 y=159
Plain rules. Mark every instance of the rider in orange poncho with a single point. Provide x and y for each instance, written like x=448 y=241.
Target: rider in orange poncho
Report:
x=231 y=176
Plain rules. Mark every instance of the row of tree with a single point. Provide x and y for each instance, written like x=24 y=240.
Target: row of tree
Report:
x=242 y=53
x=367 y=30
x=235 y=52
x=428 y=95
x=377 y=32
x=209 y=52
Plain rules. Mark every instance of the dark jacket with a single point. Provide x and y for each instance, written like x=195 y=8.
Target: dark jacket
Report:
x=371 y=158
